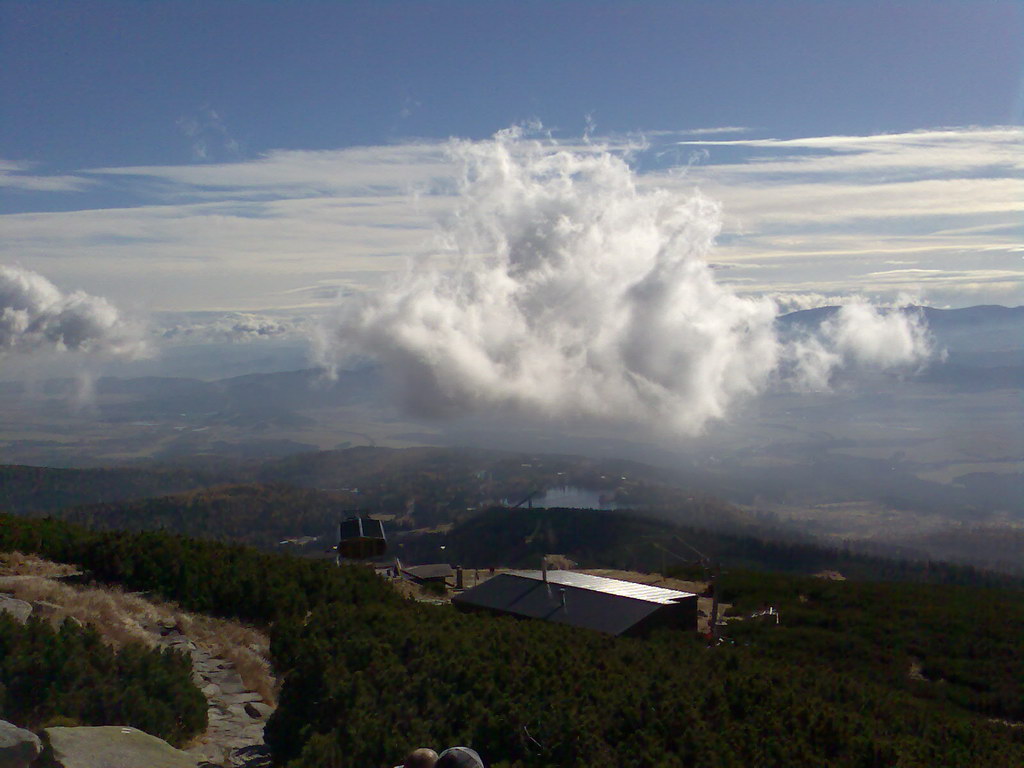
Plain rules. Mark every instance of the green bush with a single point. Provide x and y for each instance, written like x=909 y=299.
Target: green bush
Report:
x=68 y=676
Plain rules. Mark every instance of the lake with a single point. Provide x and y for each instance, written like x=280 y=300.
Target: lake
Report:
x=574 y=497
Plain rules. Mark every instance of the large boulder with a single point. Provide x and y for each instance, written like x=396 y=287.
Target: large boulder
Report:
x=110 y=746
x=18 y=747
x=19 y=609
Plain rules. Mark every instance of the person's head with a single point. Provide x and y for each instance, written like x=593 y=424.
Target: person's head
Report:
x=421 y=758
x=459 y=757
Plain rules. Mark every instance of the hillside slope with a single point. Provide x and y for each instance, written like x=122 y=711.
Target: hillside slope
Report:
x=856 y=675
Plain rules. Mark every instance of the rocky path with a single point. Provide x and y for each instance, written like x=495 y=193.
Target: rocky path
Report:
x=236 y=716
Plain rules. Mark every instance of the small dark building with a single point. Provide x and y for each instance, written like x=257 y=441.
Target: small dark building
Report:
x=581 y=600
x=360 y=538
x=427 y=574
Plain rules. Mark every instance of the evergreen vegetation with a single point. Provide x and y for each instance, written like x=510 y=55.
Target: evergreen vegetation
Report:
x=368 y=676
x=227 y=580
x=68 y=676
x=518 y=538
x=259 y=515
x=953 y=644
x=45 y=489
x=365 y=685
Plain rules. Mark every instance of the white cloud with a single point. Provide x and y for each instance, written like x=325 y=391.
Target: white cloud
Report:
x=362 y=171
x=572 y=292
x=14 y=175
x=833 y=204
x=819 y=214
x=36 y=316
x=837 y=208
x=207 y=133
x=917 y=276
x=953 y=150
x=230 y=327
x=867 y=337
x=224 y=255
x=714 y=131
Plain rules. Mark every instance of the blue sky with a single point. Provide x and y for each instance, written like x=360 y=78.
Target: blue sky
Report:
x=97 y=84
x=263 y=157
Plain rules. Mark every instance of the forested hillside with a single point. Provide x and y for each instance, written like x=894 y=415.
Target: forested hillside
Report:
x=44 y=489
x=227 y=580
x=857 y=674
x=518 y=538
x=425 y=486
x=443 y=485
x=260 y=515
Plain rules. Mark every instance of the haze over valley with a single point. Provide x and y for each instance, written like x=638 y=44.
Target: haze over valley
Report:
x=928 y=460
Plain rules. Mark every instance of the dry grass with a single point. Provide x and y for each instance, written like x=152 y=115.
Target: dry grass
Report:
x=122 y=617
x=119 y=618
x=18 y=564
x=412 y=591
x=245 y=647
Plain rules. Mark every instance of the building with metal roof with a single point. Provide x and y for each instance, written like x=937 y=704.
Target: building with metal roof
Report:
x=424 y=574
x=581 y=600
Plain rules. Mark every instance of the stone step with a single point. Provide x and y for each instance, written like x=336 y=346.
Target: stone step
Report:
x=241 y=698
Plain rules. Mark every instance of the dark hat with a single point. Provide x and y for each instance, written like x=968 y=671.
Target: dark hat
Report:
x=459 y=757
x=424 y=757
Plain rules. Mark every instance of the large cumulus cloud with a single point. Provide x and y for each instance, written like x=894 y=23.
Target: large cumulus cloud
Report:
x=567 y=290
x=35 y=316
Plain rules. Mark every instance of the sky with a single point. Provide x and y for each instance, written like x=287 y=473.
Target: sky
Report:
x=247 y=165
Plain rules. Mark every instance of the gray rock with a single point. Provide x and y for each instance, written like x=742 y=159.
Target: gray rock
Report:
x=265 y=710
x=241 y=698
x=19 y=609
x=46 y=608
x=110 y=746
x=251 y=760
x=230 y=687
x=18 y=747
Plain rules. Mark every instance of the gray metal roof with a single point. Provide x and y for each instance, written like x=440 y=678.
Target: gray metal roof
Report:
x=432 y=571
x=577 y=599
x=617 y=587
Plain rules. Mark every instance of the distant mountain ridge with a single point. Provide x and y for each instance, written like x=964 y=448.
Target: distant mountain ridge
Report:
x=936 y=317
